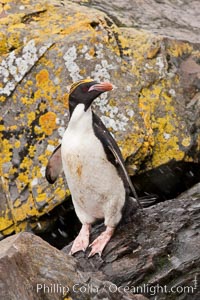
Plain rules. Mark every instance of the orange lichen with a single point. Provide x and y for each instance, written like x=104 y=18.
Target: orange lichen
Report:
x=64 y=99
x=42 y=78
x=48 y=122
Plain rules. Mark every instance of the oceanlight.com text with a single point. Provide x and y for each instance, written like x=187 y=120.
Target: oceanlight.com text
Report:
x=152 y=290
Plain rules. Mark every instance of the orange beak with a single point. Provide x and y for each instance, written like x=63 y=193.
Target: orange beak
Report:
x=101 y=87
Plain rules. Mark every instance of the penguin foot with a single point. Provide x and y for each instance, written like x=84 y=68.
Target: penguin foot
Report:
x=81 y=242
x=101 y=241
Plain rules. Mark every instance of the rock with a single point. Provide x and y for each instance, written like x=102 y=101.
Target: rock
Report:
x=157 y=254
x=193 y=193
x=168 y=180
x=32 y=269
x=153 y=113
x=174 y=19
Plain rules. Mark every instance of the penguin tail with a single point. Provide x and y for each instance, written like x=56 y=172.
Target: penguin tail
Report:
x=145 y=201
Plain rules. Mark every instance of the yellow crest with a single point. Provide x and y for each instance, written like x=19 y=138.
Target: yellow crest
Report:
x=74 y=85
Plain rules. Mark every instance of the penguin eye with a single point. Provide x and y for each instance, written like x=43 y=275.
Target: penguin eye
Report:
x=85 y=89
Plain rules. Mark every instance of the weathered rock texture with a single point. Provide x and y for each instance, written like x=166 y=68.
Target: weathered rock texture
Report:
x=158 y=253
x=44 y=47
x=31 y=269
x=174 y=19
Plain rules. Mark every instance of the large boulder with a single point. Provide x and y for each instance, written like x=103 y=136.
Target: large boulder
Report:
x=32 y=269
x=45 y=46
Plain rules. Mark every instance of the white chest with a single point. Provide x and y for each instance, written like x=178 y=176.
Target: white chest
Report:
x=81 y=149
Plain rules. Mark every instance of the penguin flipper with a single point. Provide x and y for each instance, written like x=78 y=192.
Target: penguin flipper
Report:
x=54 y=166
x=125 y=173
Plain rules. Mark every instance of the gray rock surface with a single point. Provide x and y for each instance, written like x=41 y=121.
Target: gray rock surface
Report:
x=158 y=252
x=31 y=269
x=174 y=19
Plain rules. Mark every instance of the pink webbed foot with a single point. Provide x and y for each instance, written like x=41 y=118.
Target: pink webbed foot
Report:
x=101 y=241
x=81 y=242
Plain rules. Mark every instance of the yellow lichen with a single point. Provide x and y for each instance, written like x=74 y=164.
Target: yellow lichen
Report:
x=3 y=44
x=17 y=144
x=43 y=158
x=178 y=48
x=6 y=152
x=43 y=107
x=31 y=151
x=65 y=100
x=17 y=203
x=2 y=98
x=62 y=193
x=41 y=197
x=14 y=40
x=38 y=130
x=13 y=127
x=31 y=117
x=5 y=223
x=22 y=179
x=161 y=130
x=29 y=83
x=25 y=100
x=186 y=141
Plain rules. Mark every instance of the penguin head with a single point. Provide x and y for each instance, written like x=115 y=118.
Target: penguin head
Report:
x=85 y=92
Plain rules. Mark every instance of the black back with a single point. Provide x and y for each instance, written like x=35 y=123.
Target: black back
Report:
x=110 y=147
x=114 y=155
